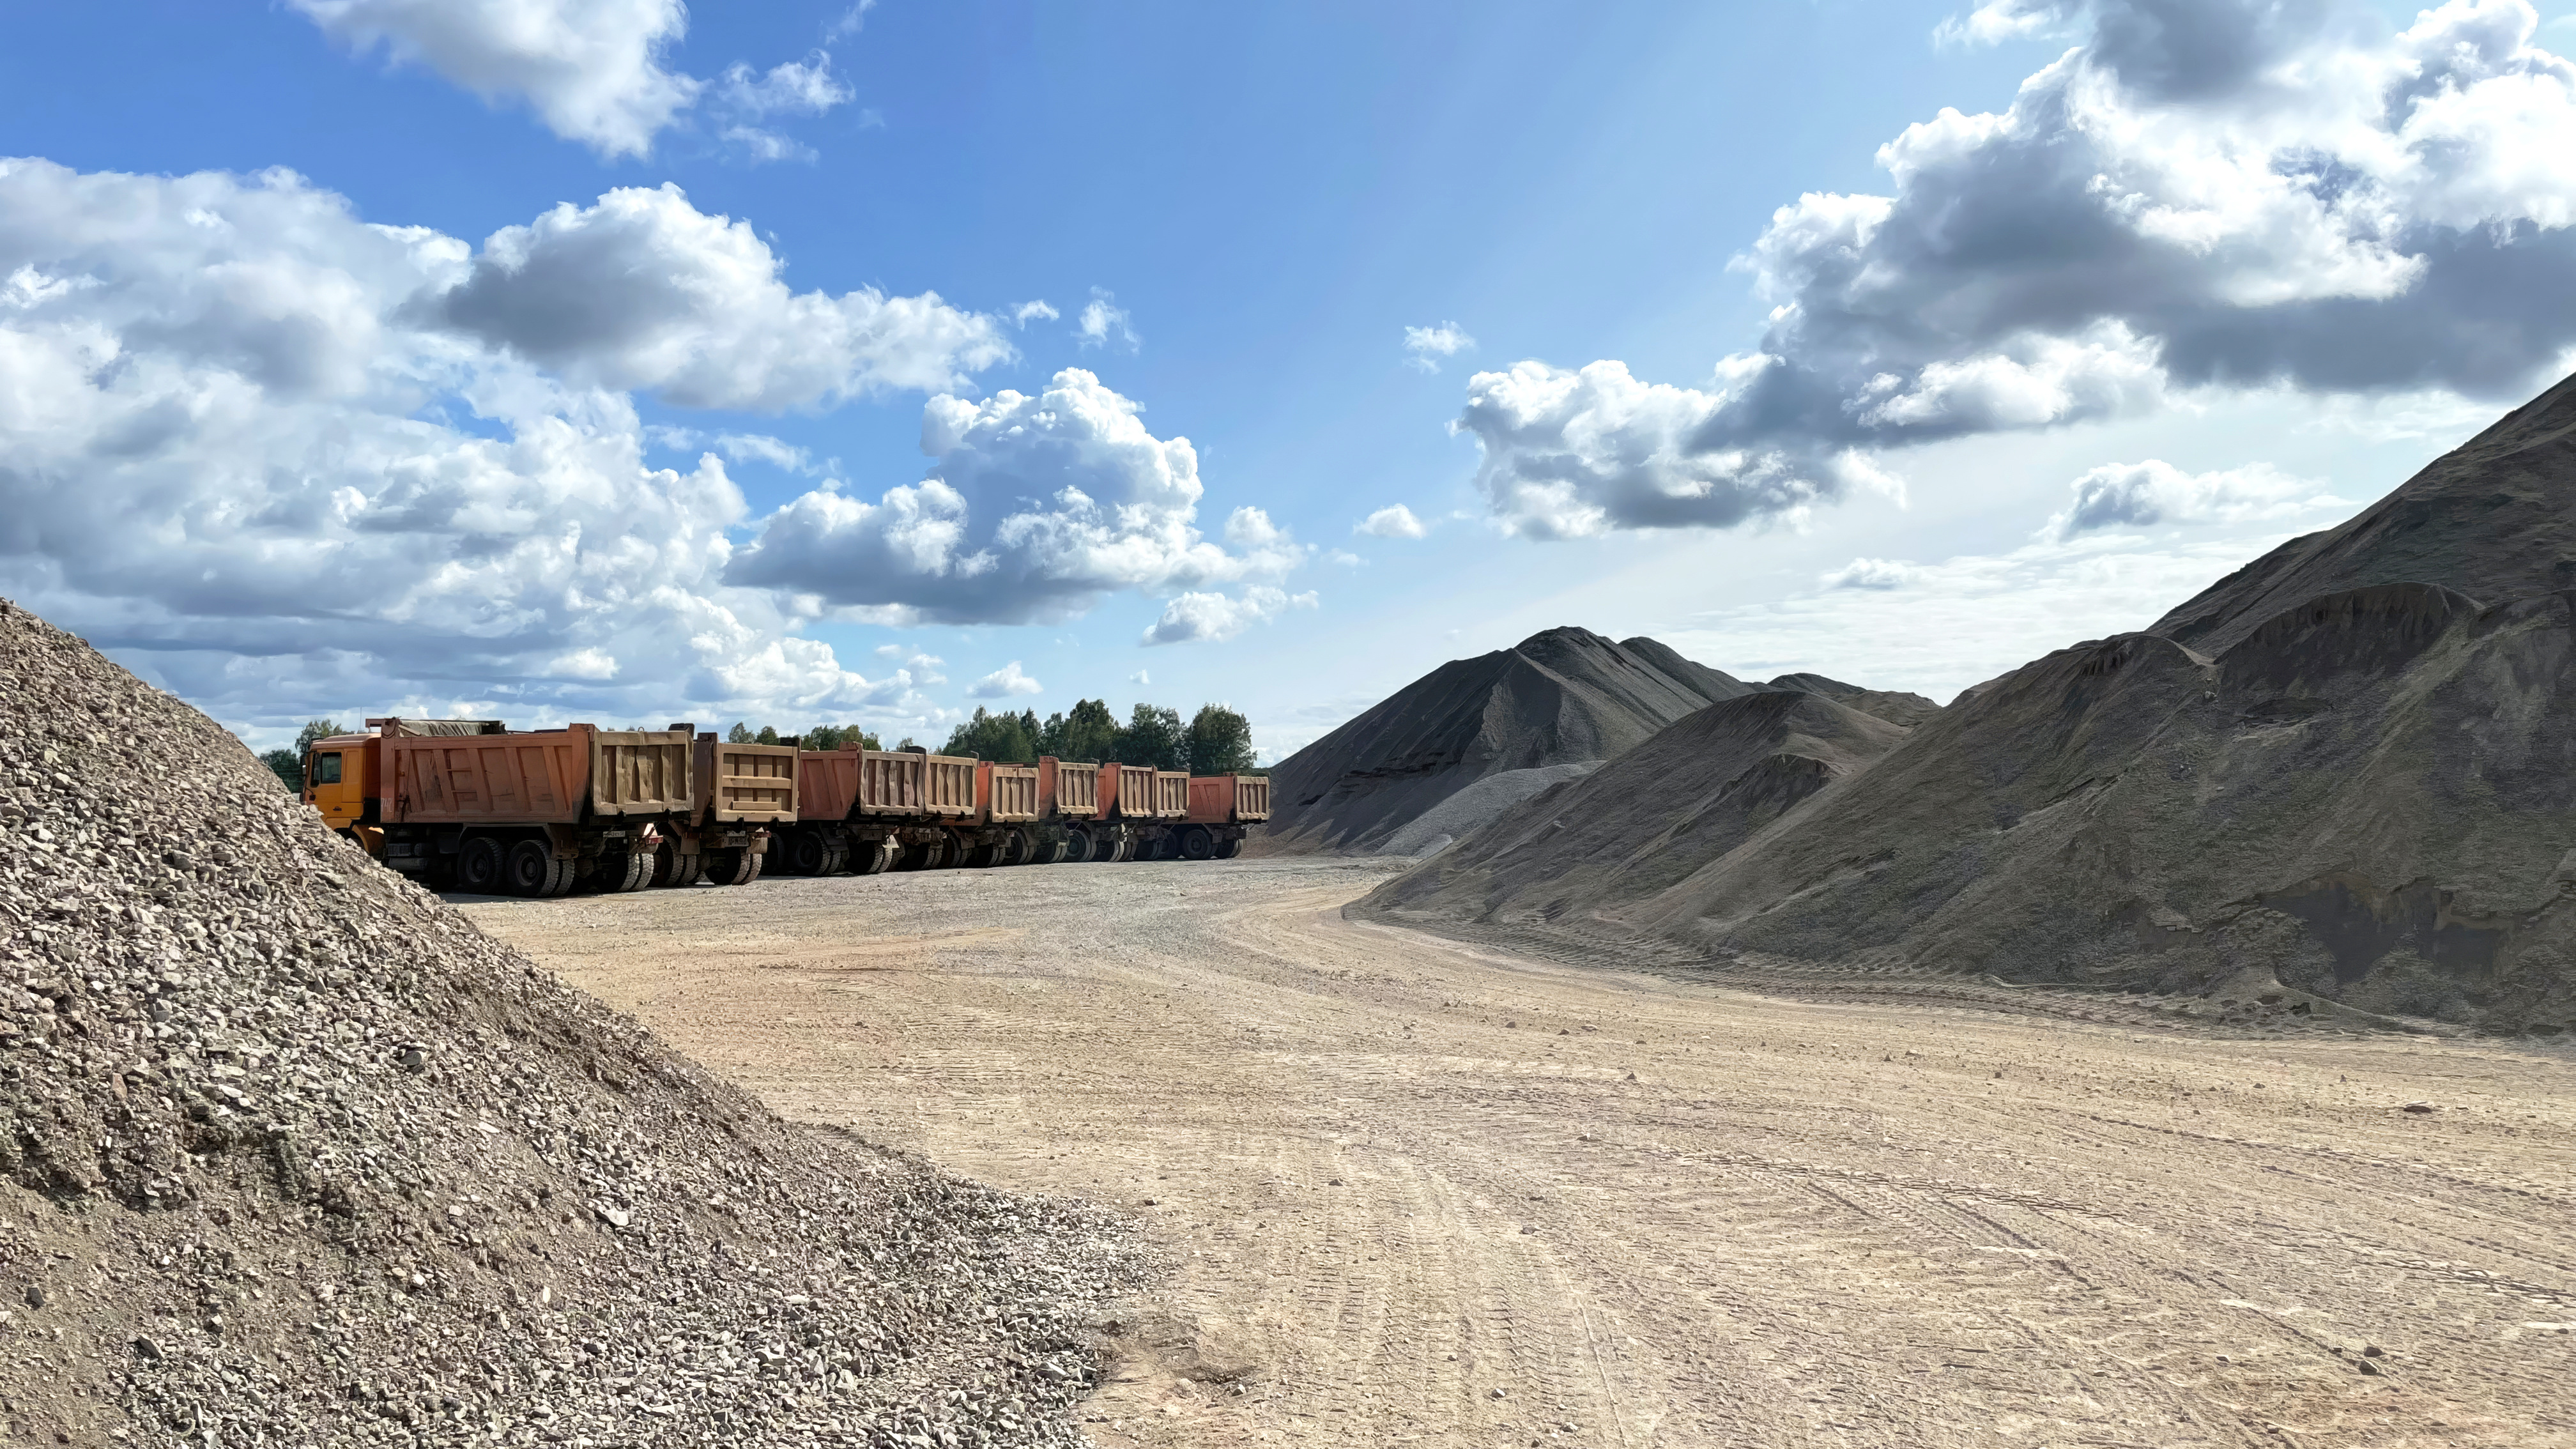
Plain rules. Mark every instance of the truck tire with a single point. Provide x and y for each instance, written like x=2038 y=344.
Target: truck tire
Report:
x=1018 y=847
x=1228 y=849
x=875 y=857
x=532 y=870
x=735 y=865
x=671 y=868
x=1197 y=843
x=478 y=867
x=804 y=852
x=1077 y=845
x=623 y=871
x=926 y=855
x=1052 y=852
x=837 y=859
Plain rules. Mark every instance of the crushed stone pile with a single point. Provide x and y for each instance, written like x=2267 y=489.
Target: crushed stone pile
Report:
x=2358 y=806
x=297 y=1156
x=1560 y=697
x=1466 y=812
x=1698 y=789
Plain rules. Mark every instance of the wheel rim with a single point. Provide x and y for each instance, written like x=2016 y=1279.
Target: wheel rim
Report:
x=480 y=870
x=530 y=868
x=1198 y=845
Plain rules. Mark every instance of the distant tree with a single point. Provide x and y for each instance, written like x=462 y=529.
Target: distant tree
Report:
x=834 y=737
x=1009 y=738
x=767 y=736
x=289 y=767
x=907 y=744
x=1220 y=741
x=1153 y=736
x=314 y=729
x=740 y=734
x=1088 y=733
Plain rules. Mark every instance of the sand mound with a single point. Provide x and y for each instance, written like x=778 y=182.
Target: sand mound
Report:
x=1697 y=790
x=297 y=1155
x=2490 y=519
x=1892 y=706
x=1560 y=697
x=2366 y=799
x=1471 y=809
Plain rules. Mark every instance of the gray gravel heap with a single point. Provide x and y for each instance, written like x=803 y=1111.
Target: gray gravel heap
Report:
x=297 y=1156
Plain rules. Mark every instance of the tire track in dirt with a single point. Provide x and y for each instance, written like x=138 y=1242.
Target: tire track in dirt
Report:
x=1396 y=1174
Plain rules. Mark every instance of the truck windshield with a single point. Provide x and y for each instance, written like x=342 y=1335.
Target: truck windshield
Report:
x=326 y=769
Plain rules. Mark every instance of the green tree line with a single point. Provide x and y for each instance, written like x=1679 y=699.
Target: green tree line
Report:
x=1216 y=741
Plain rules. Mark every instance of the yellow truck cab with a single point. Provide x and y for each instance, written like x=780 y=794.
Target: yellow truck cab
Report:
x=340 y=780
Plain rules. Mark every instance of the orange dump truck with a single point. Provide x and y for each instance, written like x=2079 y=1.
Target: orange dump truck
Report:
x=744 y=794
x=473 y=805
x=875 y=810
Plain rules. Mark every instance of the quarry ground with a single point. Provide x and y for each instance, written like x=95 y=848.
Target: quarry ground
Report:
x=1421 y=1193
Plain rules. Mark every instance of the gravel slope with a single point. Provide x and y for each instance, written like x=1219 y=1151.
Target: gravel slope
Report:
x=295 y=1154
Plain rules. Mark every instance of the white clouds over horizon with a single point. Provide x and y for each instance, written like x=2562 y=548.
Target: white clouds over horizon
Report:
x=1212 y=618
x=2139 y=495
x=247 y=445
x=1035 y=506
x=1393 y=521
x=1004 y=683
x=2199 y=196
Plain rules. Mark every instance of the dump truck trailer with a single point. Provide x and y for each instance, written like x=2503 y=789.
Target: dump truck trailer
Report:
x=1009 y=826
x=1222 y=810
x=743 y=794
x=473 y=805
x=877 y=810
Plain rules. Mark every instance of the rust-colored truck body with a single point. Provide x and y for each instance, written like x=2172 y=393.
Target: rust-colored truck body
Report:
x=1229 y=799
x=875 y=810
x=1068 y=789
x=476 y=805
x=741 y=784
x=1006 y=794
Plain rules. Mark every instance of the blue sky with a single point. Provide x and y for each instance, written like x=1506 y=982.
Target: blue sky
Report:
x=368 y=448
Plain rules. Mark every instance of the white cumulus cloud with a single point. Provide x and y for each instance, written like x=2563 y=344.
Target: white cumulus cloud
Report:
x=591 y=69
x=1393 y=521
x=2154 y=492
x=1038 y=311
x=1872 y=573
x=1427 y=345
x=1035 y=506
x=1211 y=617
x=1004 y=682
x=1103 y=322
x=2197 y=195
x=239 y=452
x=644 y=291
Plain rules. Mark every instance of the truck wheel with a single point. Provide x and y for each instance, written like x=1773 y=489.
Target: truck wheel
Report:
x=804 y=852
x=623 y=871
x=672 y=868
x=1077 y=845
x=478 y=868
x=1052 y=853
x=1018 y=847
x=1228 y=849
x=836 y=859
x=1125 y=849
x=733 y=866
x=530 y=868
x=875 y=857
x=1197 y=843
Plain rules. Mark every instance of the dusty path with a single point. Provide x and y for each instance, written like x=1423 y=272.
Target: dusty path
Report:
x=1418 y=1194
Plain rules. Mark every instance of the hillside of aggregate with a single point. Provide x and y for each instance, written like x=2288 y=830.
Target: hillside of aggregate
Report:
x=296 y=1155
x=2343 y=780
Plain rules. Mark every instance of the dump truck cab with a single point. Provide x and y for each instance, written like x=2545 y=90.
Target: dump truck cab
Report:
x=340 y=778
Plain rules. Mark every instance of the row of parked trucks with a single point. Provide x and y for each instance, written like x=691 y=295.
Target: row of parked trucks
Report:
x=474 y=806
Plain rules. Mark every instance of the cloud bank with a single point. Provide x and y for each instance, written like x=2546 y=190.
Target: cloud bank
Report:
x=1035 y=506
x=2198 y=194
x=283 y=460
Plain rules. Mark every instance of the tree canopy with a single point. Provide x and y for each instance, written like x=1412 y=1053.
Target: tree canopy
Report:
x=1011 y=739
x=1220 y=741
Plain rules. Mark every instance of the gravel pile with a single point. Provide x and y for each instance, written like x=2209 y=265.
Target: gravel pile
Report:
x=297 y=1156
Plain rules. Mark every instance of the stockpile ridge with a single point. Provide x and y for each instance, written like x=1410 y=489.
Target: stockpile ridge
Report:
x=296 y=1155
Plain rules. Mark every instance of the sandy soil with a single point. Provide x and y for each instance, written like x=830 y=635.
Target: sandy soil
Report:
x=1420 y=1193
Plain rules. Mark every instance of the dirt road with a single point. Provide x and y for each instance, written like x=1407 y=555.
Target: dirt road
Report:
x=1420 y=1194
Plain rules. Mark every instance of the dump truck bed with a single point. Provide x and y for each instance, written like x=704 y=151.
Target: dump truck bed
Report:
x=1068 y=789
x=538 y=777
x=1229 y=799
x=745 y=784
x=1008 y=794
